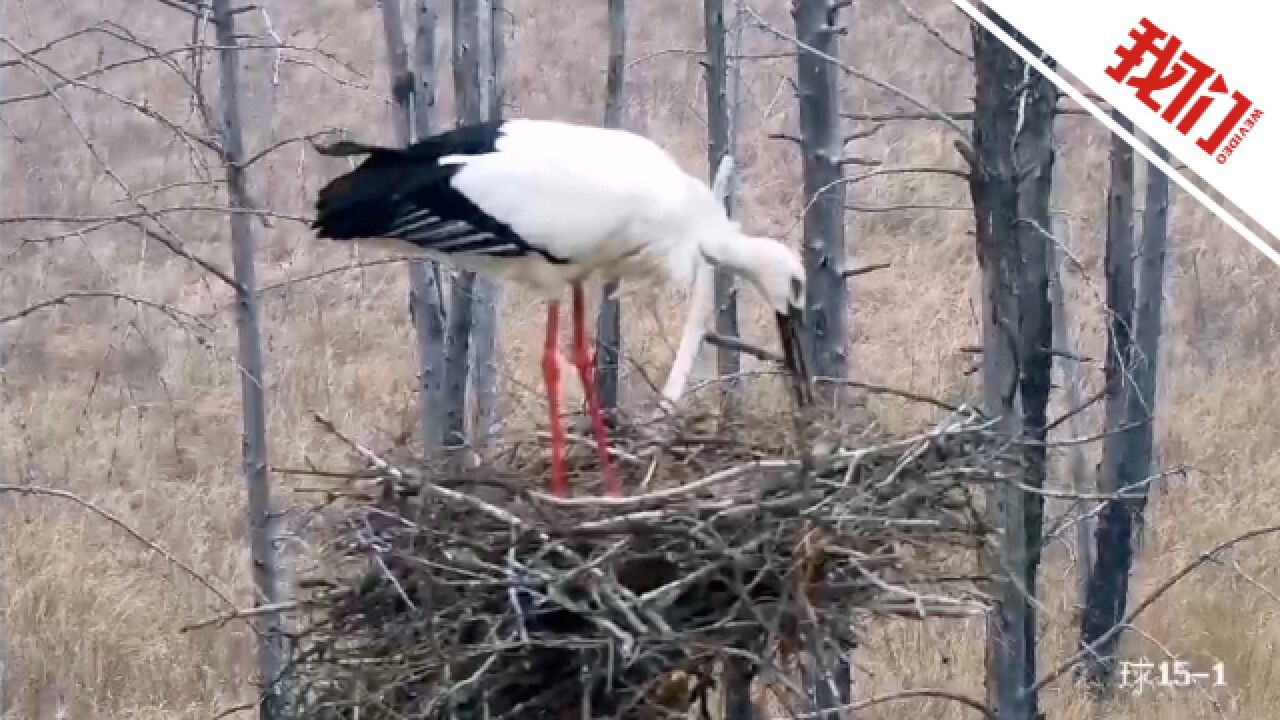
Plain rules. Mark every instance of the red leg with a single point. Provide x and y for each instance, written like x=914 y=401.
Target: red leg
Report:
x=551 y=373
x=582 y=358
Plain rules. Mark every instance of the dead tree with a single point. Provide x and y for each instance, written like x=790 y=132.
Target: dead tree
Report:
x=1127 y=452
x=609 y=319
x=1011 y=180
x=1120 y=289
x=722 y=98
x=818 y=31
x=413 y=93
x=468 y=86
x=488 y=292
x=822 y=149
x=262 y=524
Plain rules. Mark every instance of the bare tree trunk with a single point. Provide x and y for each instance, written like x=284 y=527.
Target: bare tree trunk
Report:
x=267 y=578
x=426 y=286
x=488 y=292
x=822 y=146
x=1073 y=388
x=413 y=93
x=468 y=89
x=609 y=320
x=1127 y=468
x=1011 y=184
x=721 y=127
x=1034 y=158
x=1101 y=594
x=1148 y=323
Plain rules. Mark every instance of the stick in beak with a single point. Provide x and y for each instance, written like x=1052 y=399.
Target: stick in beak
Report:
x=789 y=326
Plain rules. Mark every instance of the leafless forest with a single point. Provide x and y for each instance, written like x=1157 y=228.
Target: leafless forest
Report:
x=122 y=478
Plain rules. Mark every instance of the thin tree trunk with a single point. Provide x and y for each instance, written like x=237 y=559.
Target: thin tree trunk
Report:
x=1128 y=467
x=1011 y=184
x=822 y=145
x=1148 y=323
x=609 y=320
x=426 y=287
x=1034 y=158
x=410 y=117
x=267 y=578
x=1105 y=589
x=721 y=127
x=467 y=85
x=1073 y=389
x=488 y=292
x=817 y=26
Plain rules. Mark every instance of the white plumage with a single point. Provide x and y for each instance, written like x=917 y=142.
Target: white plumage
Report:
x=549 y=204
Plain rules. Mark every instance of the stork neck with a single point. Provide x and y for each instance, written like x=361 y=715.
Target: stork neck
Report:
x=729 y=248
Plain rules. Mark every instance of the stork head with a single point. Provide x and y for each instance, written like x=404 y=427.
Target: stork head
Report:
x=778 y=274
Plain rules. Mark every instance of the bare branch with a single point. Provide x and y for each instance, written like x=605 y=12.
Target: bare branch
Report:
x=336 y=270
x=905 y=207
x=34 y=490
x=178 y=316
x=850 y=70
x=309 y=137
x=863 y=134
x=854 y=272
x=141 y=108
x=241 y=614
x=957 y=115
x=1164 y=587
x=739 y=345
x=904 y=695
x=918 y=19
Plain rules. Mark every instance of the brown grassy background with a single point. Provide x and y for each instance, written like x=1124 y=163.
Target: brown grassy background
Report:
x=139 y=415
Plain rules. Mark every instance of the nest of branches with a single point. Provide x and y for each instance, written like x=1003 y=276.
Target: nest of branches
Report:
x=473 y=593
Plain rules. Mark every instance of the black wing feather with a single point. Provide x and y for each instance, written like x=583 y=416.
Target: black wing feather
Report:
x=406 y=194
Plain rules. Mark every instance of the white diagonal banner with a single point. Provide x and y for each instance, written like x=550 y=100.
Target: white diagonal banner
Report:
x=1200 y=79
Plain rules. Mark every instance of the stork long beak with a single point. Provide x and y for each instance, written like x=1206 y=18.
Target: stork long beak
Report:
x=789 y=326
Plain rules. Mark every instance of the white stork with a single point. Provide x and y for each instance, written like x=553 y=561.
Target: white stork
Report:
x=549 y=204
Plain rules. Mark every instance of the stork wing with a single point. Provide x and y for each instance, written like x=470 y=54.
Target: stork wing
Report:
x=526 y=188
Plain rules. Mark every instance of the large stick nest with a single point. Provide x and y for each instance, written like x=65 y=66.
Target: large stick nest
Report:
x=472 y=594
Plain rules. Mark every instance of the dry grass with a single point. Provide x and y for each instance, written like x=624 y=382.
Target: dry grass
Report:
x=125 y=407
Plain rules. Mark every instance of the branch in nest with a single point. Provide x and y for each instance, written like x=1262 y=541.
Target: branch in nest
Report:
x=860 y=161
x=855 y=272
x=241 y=614
x=739 y=345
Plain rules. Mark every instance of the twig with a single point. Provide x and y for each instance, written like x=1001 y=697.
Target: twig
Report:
x=739 y=345
x=668 y=493
x=849 y=69
x=855 y=272
x=178 y=316
x=1147 y=602
x=918 y=19
x=905 y=207
x=109 y=517
x=242 y=614
x=902 y=695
